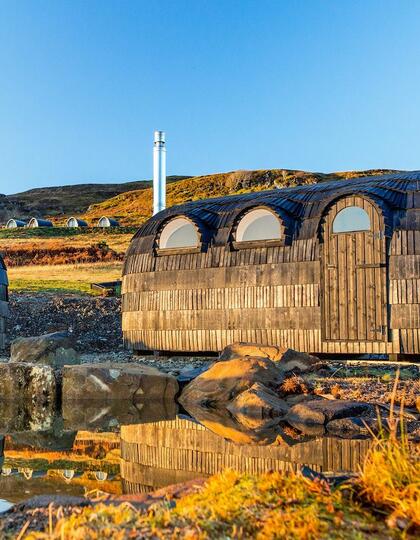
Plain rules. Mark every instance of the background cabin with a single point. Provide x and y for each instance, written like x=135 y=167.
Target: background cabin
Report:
x=15 y=223
x=106 y=222
x=74 y=223
x=4 y=303
x=332 y=267
x=34 y=223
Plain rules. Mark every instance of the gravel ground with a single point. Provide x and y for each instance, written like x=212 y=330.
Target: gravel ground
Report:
x=95 y=321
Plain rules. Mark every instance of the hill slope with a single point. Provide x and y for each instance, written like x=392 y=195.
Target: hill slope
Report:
x=134 y=207
x=65 y=200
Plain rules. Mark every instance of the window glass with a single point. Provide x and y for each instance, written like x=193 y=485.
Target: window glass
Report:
x=179 y=233
x=259 y=224
x=351 y=219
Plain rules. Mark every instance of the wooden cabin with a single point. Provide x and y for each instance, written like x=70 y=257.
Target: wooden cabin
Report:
x=15 y=224
x=4 y=303
x=332 y=268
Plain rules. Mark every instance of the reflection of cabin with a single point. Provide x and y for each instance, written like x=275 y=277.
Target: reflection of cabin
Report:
x=34 y=223
x=74 y=223
x=326 y=268
x=106 y=222
x=4 y=305
x=15 y=224
x=157 y=454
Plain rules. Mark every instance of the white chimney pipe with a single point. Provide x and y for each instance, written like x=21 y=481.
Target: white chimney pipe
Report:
x=159 y=172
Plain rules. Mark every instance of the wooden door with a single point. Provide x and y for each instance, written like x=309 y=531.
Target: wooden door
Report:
x=354 y=271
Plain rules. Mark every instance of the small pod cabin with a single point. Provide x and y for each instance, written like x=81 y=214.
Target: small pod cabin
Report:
x=74 y=223
x=4 y=303
x=331 y=268
x=106 y=222
x=15 y=223
x=35 y=223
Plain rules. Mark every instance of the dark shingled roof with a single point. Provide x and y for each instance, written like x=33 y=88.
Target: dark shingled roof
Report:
x=295 y=205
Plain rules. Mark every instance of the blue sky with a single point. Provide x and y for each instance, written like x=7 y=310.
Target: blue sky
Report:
x=316 y=85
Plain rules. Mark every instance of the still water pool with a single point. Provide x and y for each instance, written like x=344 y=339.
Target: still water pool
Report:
x=119 y=448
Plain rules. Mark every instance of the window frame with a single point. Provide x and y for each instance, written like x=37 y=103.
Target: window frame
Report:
x=251 y=244
x=370 y=229
x=162 y=251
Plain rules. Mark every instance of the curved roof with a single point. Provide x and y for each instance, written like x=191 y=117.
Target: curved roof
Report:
x=300 y=207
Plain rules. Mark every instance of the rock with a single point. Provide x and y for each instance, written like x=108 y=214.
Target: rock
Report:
x=298 y=362
x=56 y=349
x=190 y=373
x=240 y=350
x=322 y=411
x=257 y=402
x=225 y=380
x=28 y=382
x=134 y=382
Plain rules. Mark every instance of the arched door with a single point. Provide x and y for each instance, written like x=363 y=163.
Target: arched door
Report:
x=354 y=272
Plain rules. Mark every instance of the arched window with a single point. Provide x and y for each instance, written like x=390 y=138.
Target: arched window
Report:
x=351 y=219
x=259 y=224
x=179 y=233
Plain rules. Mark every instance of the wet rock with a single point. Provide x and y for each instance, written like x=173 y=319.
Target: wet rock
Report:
x=56 y=349
x=257 y=402
x=225 y=380
x=324 y=411
x=241 y=349
x=190 y=373
x=107 y=382
x=312 y=430
x=21 y=381
x=297 y=362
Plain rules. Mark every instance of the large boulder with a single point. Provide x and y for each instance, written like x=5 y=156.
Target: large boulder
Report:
x=241 y=349
x=257 y=402
x=226 y=380
x=32 y=383
x=297 y=362
x=322 y=411
x=288 y=360
x=134 y=382
x=56 y=350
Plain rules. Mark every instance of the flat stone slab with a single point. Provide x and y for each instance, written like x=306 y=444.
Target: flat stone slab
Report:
x=56 y=349
x=322 y=411
x=106 y=382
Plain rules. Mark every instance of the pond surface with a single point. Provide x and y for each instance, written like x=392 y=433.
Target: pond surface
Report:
x=121 y=448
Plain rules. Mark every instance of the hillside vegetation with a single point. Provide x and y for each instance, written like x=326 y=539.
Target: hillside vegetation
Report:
x=61 y=201
x=135 y=207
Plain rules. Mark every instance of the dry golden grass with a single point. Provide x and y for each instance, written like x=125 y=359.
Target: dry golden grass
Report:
x=65 y=278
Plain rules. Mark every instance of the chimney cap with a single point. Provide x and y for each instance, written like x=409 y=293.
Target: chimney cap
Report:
x=159 y=136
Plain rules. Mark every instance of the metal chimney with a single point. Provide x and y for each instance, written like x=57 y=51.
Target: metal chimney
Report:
x=159 y=172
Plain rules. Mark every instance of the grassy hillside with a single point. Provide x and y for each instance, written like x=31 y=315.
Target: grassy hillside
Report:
x=66 y=200
x=134 y=207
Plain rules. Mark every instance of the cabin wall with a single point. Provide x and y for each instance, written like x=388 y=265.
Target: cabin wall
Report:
x=202 y=301
x=4 y=305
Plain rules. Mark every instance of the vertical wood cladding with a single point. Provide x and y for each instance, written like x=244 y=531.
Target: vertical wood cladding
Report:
x=4 y=305
x=313 y=290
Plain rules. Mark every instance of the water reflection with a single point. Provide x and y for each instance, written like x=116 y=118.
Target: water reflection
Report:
x=118 y=447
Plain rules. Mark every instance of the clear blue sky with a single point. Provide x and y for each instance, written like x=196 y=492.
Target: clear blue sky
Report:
x=316 y=85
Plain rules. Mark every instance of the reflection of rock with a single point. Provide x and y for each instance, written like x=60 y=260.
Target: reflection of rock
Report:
x=225 y=380
x=250 y=431
x=255 y=404
x=110 y=415
x=56 y=350
x=107 y=382
x=16 y=416
x=323 y=410
x=60 y=441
